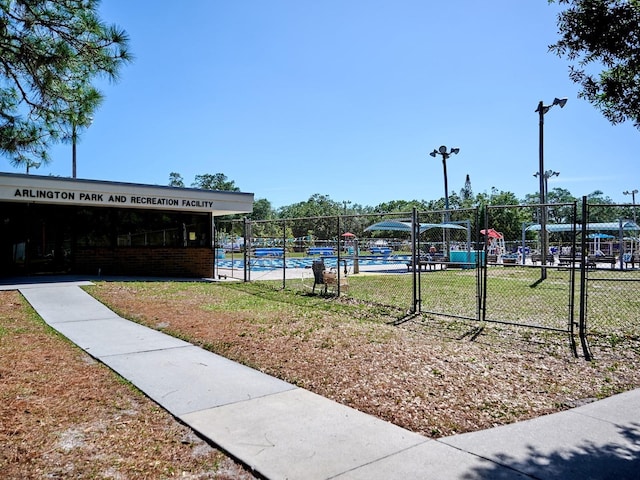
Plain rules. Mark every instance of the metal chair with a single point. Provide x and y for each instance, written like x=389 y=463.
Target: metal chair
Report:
x=318 y=275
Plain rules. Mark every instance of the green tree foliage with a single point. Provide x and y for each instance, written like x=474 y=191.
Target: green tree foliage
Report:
x=176 y=180
x=317 y=206
x=50 y=53
x=322 y=218
x=564 y=212
x=466 y=194
x=603 y=34
x=399 y=206
x=217 y=181
x=262 y=210
x=507 y=220
x=601 y=207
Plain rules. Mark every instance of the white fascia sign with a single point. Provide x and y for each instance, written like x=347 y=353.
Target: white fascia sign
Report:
x=67 y=191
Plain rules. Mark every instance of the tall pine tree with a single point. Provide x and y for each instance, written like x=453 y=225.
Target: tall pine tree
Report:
x=50 y=53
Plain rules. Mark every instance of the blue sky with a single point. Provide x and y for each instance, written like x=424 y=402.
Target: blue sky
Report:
x=346 y=98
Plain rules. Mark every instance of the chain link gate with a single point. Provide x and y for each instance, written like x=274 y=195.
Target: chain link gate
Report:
x=523 y=287
x=610 y=278
x=448 y=263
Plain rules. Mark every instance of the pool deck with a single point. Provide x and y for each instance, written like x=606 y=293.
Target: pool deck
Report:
x=304 y=273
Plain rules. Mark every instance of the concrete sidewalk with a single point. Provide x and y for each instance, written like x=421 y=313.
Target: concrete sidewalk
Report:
x=284 y=432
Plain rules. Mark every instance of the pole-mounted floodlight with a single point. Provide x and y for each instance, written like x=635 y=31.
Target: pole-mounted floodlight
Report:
x=633 y=201
x=560 y=101
x=442 y=151
x=547 y=175
x=632 y=193
x=541 y=110
x=556 y=101
x=445 y=155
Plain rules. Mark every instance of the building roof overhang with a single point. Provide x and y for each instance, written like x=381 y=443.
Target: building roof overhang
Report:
x=97 y=193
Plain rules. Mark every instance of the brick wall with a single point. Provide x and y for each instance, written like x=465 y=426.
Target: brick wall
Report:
x=145 y=261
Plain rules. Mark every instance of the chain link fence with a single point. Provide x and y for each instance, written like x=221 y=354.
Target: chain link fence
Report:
x=492 y=265
x=360 y=260
x=611 y=278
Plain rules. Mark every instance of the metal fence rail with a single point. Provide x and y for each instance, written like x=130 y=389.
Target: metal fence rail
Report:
x=455 y=264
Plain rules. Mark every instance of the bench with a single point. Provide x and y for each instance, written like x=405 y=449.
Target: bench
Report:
x=430 y=262
x=629 y=258
x=595 y=259
x=320 y=251
x=537 y=257
x=569 y=261
x=381 y=250
x=268 y=252
x=509 y=260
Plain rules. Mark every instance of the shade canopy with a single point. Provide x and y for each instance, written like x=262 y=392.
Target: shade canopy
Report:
x=399 y=226
x=491 y=233
x=568 y=227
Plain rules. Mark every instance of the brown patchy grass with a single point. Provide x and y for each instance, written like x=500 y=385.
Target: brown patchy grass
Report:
x=64 y=415
x=433 y=377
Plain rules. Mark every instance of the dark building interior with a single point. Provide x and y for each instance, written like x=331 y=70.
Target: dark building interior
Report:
x=47 y=239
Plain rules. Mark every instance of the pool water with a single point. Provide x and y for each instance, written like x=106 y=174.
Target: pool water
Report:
x=263 y=264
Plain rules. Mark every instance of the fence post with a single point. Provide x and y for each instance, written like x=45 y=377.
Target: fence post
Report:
x=483 y=291
x=572 y=281
x=338 y=256
x=247 y=249
x=582 y=328
x=284 y=254
x=415 y=257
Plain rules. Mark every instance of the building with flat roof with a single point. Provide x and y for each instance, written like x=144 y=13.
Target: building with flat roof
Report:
x=65 y=225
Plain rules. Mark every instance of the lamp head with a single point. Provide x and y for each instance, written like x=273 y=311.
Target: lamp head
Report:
x=434 y=153
x=455 y=150
x=542 y=108
x=442 y=149
x=560 y=101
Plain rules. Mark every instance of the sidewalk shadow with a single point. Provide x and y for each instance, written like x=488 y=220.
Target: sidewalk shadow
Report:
x=617 y=460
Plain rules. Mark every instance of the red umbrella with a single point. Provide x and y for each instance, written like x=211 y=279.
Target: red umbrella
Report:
x=491 y=233
x=348 y=234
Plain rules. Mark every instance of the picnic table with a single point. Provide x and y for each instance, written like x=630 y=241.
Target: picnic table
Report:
x=268 y=252
x=320 y=251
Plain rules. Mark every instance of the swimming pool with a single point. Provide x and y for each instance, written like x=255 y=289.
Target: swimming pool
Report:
x=263 y=264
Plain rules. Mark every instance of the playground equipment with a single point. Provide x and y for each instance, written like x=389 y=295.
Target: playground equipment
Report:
x=495 y=242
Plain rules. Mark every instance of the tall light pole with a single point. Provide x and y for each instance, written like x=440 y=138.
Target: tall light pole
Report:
x=445 y=155
x=75 y=125
x=77 y=120
x=542 y=109
x=74 y=140
x=633 y=201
